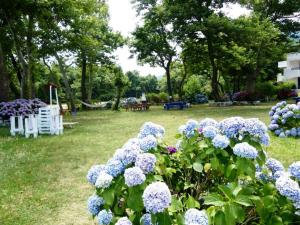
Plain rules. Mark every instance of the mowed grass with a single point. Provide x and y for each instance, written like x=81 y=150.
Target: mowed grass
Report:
x=42 y=181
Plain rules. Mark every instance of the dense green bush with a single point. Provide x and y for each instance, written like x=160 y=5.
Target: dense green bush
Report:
x=153 y=98
x=220 y=168
x=266 y=89
x=163 y=97
x=194 y=86
x=284 y=90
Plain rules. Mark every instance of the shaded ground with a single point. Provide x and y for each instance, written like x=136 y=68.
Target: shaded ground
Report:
x=43 y=181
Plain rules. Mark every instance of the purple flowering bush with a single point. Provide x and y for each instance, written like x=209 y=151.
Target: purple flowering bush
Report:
x=216 y=173
x=20 y=107
x=285 y=119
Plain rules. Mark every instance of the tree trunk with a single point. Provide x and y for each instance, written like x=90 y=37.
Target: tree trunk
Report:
x=169 y=85
x=17 y=68
x=28 y=81
x=83 y=80
x=90 y=83
x=180 y=91
x=214 y=77
x=68 y=89
x=118 y=98
x=26 y=67
x=251 y=78
x=4 y=79
x=23 y=64
x=13 y=87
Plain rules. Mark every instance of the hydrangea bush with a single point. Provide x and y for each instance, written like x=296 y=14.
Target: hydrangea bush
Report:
x=216 y=173
x=285 y=119
x=20 y=107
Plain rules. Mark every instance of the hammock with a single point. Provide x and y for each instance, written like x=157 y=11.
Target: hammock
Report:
x=90 y=105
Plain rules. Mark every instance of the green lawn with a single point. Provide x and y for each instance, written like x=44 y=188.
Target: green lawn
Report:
x=42 y=181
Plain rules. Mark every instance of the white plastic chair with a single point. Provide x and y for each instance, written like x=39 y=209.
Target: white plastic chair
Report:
x=31 y=126
x=16 y=127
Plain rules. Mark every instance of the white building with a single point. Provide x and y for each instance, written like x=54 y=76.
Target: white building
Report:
x=291 y=69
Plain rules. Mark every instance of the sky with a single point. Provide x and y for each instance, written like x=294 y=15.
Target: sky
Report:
x=123 y=19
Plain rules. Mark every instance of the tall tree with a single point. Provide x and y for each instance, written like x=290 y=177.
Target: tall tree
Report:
x=95 y=41
x=120 y=82
x=4 y=78
x=154 y=41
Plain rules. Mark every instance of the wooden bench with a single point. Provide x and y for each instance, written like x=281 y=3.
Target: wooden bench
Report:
x=175 y=105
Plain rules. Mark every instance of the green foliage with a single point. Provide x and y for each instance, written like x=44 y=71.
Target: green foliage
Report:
x=193 y=86
x=163 y=97
x=140 y=84
x=266 y=89
x=284 y=90
x=153 y=98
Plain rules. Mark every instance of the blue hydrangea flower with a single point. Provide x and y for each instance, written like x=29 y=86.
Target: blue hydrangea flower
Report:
x=127 y=154
x=146 y=219
x=294 y=132
x=208 y=122
x=132 y=143
x=209 y=132
x=282 y=135
x=123 y=221
x=94 y=204
x=288 y=188
x=262 y=173
x=104 y=180
x=262 y=176
x=156 y=197
x=134 y=176
x=114 y=167
x=195 y=216
x=220 y=141
x=245 y=150
x=146 y=162
x=280 y=173
x=277 y=132
x=231 y=127
x=189 y=128
x=265 y=139
x=294 y=169
x=93 y=173
x=256 y=129
x=148 y=142
x=119 y=154
x=274 y=165
x=273 y=126
x=150 y=128
x=104 y=217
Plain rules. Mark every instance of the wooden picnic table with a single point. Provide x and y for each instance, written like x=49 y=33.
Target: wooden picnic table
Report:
x=138 y=107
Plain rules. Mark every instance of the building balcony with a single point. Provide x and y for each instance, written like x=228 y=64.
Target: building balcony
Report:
x=291 y=73
x=293 y=56
x=282 y=64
